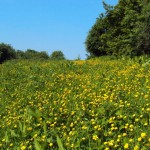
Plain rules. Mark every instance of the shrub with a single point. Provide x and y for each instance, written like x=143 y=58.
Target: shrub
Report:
x=6 y=52
x=57 y=55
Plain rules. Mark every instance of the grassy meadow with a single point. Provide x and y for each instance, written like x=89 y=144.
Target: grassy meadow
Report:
x=98 y=104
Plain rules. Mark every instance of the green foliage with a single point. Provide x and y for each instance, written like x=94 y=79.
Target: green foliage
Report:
x=73 y=105
x=43 y=55
x=6 y=52
x=122 y=30
x=20 y=54
x=37 y=145
x=95 y=45
x=31 y=54
x=142 y=30
x=57 y=55
x=60 y=144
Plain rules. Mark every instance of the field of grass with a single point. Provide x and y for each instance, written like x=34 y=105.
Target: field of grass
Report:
x=99 y=104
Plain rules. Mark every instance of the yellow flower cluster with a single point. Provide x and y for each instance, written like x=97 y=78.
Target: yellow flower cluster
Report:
x=100 y=104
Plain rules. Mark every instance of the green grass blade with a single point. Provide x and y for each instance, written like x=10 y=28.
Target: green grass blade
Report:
x=60 y=144
x=37 y=145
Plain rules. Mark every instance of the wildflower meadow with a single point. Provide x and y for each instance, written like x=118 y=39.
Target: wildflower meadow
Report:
x=97 y=104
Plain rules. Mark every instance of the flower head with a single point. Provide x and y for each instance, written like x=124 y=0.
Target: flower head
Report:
x=126 y=146
x=143 y=135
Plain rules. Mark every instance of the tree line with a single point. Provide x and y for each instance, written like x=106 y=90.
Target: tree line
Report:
x=123 y=29
x=7 y=52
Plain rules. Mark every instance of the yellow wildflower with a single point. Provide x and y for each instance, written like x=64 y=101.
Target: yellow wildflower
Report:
x=126 y=146
x=143 y=135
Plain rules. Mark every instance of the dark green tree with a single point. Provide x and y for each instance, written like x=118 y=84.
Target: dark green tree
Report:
x=95 y=45
x=31 y=54
x=122 y=30
x=20 y=54
x=43 y=55
x=57 y=55
x=142 y=30
x=7 y=52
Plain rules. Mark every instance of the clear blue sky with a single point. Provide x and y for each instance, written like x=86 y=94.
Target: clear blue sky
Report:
x=49 y=25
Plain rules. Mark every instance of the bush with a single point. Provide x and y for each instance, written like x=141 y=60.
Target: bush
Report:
x=57 y=55
x=6 y=52
x=20 y=54
x=43 y=55
x=33 y=54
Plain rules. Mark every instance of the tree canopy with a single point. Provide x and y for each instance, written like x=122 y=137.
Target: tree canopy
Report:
x=7 y=52
x=57 y=55
x=122 y=30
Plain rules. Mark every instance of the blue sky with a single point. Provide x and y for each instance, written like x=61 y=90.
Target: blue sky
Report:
x=49 y=25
